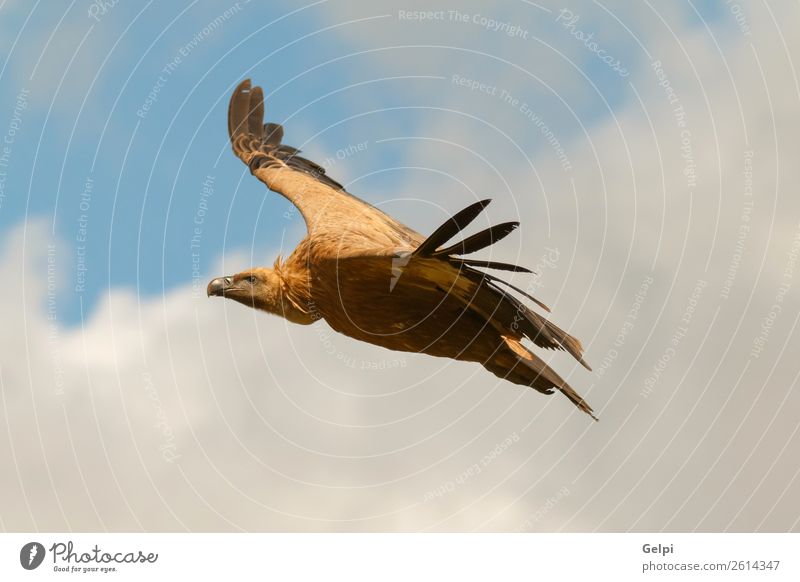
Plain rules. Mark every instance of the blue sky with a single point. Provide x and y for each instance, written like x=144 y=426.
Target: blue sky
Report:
x=91 y=75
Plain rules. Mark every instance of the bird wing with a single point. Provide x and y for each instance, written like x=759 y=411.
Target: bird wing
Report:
x=326 y=206
x=431 y=267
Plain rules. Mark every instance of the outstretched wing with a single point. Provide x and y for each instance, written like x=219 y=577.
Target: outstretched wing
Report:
x=433 y=301
x=440 y=268
x=324 y=203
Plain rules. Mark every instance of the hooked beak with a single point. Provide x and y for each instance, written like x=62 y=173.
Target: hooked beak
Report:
x=217 y=287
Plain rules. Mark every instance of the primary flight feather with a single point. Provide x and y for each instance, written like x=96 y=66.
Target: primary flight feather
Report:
x=374 y=279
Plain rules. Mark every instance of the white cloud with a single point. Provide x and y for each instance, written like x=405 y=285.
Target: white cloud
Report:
x=273 y=426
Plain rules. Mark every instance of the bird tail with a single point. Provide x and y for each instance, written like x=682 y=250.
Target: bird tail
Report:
x=525 y=368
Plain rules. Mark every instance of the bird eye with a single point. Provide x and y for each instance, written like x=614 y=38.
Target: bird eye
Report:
x=251 y=279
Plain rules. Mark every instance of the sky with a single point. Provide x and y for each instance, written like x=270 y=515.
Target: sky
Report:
x=648 y=150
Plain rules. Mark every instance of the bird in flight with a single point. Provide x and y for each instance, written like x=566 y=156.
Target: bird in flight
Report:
x=376 y=280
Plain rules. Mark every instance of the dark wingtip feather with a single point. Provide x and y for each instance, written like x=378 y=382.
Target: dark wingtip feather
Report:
x=451 y=227
x=251 y=136
x=481 y=240
x=518 y=290
x=490 y=265
x=255 y=115
x=238 y=109
x=273 y=134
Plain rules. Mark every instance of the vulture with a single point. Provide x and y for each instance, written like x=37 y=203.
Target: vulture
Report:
x=374 y=279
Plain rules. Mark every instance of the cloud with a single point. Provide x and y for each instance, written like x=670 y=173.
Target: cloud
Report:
x=190 y=412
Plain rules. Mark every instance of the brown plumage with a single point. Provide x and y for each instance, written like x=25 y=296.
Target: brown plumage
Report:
x=376 y=280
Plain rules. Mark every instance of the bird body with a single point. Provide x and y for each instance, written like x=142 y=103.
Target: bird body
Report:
x=374 y=279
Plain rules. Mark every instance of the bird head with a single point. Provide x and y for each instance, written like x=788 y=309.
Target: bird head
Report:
x=260 y=288
x=256 y=288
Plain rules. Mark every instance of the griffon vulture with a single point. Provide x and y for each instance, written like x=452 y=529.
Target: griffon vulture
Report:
x=376 y=280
